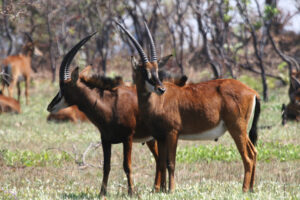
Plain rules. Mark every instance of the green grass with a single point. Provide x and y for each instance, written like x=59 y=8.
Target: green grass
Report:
x=26 y=158
x=189 y=154
x=267 y=152
x=204 y=169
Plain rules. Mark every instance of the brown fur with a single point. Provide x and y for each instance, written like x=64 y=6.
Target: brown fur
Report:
x=294 y=89
x=20 y=68
x=71 y=113
x=8 y=104
x=195 y=108
x=292 y=110
x=169 y=111
x=114 y=111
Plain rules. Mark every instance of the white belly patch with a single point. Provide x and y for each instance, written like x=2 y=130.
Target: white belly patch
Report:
x=142 y=140
x=211 y=134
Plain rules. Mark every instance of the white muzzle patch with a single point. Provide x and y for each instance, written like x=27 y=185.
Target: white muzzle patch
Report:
x=57 y=103
x=60 y=105
x=149 y=87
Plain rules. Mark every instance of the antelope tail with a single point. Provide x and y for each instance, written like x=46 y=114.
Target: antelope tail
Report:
x=253 y=131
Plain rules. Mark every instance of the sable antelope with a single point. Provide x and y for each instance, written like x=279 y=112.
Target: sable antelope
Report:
x=18 y=68
x=8 y=104
x=203 y=111
x=113 y=110
x=292 y=110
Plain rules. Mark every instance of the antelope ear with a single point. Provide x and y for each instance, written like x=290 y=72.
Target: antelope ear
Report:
x=163 y=61
x=75 y=75
x=134 y=63
x=85 y=72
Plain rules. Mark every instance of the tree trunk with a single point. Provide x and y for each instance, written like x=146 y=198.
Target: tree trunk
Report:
x=6 y=25
x=52 y=62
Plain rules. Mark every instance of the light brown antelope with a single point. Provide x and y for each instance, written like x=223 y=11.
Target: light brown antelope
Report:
x=18 y=68
x=113 y=110
x=292 y=110
x=203 y=111
x=9 y=104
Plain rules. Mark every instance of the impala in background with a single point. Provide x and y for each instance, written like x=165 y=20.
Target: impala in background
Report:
x=17 y=68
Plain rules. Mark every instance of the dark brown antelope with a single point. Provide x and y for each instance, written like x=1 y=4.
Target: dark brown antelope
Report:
x=203 y=111
x=292 y=110
x=113 y=110
x=17 y=68
x=9 y=104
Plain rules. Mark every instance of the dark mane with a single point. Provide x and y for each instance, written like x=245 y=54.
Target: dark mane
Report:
x=102 y=82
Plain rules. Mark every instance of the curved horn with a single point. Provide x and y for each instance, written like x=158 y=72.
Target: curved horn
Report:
x=153 y=56
x=136 y=44
x=64 y=71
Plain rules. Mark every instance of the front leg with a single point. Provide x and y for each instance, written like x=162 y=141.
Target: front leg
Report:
x=172 y=140
x=106 y=146
x=152 y=145
x=162 y=164
x=127 y=148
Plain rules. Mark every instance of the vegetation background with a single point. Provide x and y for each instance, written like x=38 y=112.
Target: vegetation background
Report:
x=246 y=40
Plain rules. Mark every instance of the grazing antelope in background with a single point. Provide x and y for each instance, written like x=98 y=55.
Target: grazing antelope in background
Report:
x=113 y=110
x=9 y=104
x=18 y=68
x=292 y=110
x=203 y=111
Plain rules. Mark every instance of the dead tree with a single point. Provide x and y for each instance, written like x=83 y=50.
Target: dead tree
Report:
x=6 y=26
x=243 y=10
x=206 y=47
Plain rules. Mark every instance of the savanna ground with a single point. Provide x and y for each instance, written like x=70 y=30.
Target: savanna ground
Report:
x=37 y=159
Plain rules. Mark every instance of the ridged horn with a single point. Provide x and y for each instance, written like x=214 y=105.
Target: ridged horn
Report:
x=136 y=44
x=64 y=70
x=153 y=56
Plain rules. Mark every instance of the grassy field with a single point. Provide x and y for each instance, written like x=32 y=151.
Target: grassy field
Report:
x=38 y=160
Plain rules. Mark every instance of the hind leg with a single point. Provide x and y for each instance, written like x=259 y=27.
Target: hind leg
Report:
x=11 y=87
x=2 y=87
x=254 y=164
x=247 y=152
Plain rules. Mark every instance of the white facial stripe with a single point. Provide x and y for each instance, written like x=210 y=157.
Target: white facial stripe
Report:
x=149 y=87
x=60 y=105
x=149 y=74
